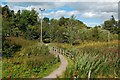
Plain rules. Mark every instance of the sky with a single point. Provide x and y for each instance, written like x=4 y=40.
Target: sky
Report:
x=91 y=13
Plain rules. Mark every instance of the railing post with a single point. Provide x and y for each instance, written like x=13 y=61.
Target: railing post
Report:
x=52 y=48
x=63 y=51
x=89 y=74
x=60 y=51
x=56 y=49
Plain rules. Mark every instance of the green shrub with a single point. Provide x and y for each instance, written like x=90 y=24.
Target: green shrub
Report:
x=31 y=61
x=9 y=48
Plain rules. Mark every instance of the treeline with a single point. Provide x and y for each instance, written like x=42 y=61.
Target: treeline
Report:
x=26 y=24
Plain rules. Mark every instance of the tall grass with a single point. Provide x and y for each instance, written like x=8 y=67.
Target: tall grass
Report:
x=101 y=58
x=21 y=41
x=32 y=61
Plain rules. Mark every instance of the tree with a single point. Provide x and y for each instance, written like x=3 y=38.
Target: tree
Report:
x=33 y=17
x=17 y=19
x=61 y=21
x=46 y=25
x=111 y=25
x=6 y=12
x=53 y=27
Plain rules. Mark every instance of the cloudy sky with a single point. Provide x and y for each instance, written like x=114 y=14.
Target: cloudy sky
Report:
x=92 y=13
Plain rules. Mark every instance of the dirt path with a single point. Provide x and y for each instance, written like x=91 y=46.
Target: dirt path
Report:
x=60 y=69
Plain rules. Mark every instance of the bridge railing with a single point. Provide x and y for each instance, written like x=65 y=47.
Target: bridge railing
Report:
x=63 y=52
x=68 y=54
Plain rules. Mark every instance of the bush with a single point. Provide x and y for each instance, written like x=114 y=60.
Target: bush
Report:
x=34 y=61
x=9 y=48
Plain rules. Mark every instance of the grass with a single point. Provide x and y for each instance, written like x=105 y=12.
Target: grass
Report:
x=0 y=68
x=88 y=43
x=34 y=60
x=70 y=62
x=101 y=57
x=51 y=68
x=70 y=65
x=61 y=45
x=21 y=41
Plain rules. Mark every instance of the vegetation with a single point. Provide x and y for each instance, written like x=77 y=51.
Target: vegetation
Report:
x=31 y=61
x=23 y=55
x=101 y=58
x=92 y=48
x=64 y=30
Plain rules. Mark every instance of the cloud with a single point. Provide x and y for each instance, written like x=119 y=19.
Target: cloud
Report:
x=59 y=13
x=99 y=15
x=88 y=15
x=95 y=6
x=81 y=6
x=36 y=5
x=107 y=15
x=88 y=10
x=61 y=0
x=107 y=7
x=16 y=8
x=92 y=24
x=96 y=9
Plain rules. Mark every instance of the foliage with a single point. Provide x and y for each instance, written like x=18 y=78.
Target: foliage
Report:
x=31 y=61
x=9 y=48
x=64 y=30
x=112 y=25
x=102 y=60
x=34 y=58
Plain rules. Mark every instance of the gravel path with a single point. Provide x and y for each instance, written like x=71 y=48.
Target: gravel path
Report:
x=60 y=69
